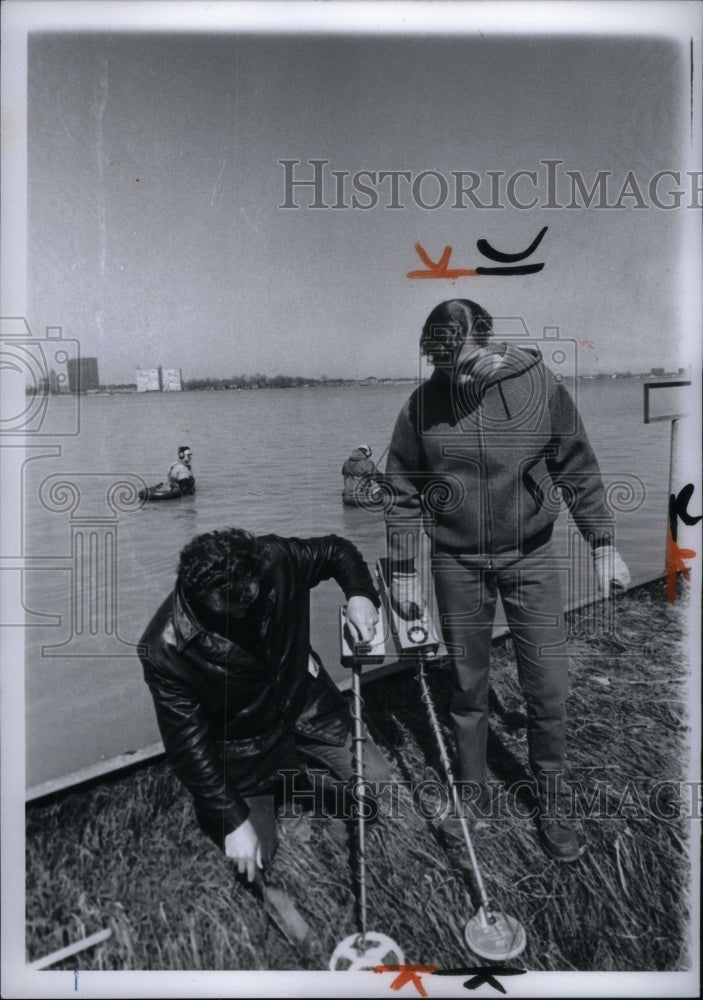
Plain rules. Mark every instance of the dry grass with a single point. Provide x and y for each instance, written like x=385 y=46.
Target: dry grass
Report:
x=128 y=854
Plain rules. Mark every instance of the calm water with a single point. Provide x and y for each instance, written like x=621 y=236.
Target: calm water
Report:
x=267 y=460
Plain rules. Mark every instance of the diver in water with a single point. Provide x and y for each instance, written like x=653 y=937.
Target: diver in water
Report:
x=180 y=473
x=360 y=478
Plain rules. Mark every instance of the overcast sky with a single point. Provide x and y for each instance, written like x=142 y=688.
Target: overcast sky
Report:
x=156 y=236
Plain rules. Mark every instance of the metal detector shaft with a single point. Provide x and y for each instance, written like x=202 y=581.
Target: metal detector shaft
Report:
x=365 y=949
x=358 y=747
x=434 y=722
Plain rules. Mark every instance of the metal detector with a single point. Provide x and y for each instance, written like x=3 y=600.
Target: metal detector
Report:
x=489 y=933
x=366 y=949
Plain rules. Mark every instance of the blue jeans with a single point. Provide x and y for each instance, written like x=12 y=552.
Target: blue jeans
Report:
x=530 y=590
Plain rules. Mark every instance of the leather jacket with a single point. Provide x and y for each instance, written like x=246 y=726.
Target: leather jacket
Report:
x=228 y=718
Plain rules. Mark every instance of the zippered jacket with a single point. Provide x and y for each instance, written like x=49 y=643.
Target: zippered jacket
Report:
x=485 y=464
x=228 y=718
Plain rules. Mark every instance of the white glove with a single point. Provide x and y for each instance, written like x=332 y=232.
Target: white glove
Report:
x=406 y=594
x=612 y=573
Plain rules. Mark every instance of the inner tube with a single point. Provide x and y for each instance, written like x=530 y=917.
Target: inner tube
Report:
x=369 y=501
x=161 y=492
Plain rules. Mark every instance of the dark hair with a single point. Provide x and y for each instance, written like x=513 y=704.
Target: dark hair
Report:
x=229 y=559
x=467 y=318
x=183 y=449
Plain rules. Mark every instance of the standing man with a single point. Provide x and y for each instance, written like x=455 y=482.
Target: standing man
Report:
x=475 y=455
x=239 y=693
x=180 y=473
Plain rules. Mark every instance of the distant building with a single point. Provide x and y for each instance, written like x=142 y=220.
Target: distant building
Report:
x=172 y=380
x=82 y=374
x=657 y=371
x=159 y=379
x=50 y=386
x=149 y=380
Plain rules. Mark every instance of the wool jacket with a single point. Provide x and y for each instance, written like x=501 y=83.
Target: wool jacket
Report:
x=484 y=463
x=228 y=718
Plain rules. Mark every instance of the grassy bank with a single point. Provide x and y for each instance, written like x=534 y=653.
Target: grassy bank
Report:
x=127 y=853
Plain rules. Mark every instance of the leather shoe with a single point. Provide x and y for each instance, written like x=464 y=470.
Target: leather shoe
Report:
x=559 y=841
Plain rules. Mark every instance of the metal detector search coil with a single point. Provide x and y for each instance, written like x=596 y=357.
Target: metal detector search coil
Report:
x=363 y=952
x=496 y=936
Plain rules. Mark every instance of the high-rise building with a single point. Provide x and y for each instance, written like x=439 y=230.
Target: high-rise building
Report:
x=82 y=374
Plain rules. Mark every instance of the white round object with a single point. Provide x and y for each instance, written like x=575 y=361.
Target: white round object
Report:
x=417 y=634
x=497 y=938
x=364 y=952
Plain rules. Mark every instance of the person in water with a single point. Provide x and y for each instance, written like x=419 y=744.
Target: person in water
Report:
x=180 y=473
x=361 y=478
x=476 y=455
x=239 y=693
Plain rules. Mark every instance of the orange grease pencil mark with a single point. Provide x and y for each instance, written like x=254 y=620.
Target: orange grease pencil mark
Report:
x=407 y=974
x=674 y=565
x=439 y=269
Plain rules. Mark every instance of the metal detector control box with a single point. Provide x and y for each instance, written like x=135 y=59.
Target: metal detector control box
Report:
x=362 y=652
x=412 y=636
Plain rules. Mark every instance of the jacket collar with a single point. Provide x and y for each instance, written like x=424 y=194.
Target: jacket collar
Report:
x=189 y=630
x=516 y=360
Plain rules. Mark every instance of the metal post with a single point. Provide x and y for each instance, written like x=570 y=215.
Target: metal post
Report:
x=672 y=472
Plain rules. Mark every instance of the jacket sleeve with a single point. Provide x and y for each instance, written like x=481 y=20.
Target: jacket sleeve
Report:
x=404 y=516
x=330 y=557
x=185 y=732
x=573 y=467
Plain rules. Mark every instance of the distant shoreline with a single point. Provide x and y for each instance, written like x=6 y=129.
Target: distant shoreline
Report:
x=298 y=382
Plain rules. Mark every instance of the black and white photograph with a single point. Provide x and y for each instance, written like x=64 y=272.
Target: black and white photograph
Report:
x=350 y=562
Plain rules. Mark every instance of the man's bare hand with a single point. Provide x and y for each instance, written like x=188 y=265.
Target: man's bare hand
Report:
x=242 y=845
x=361 y=618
